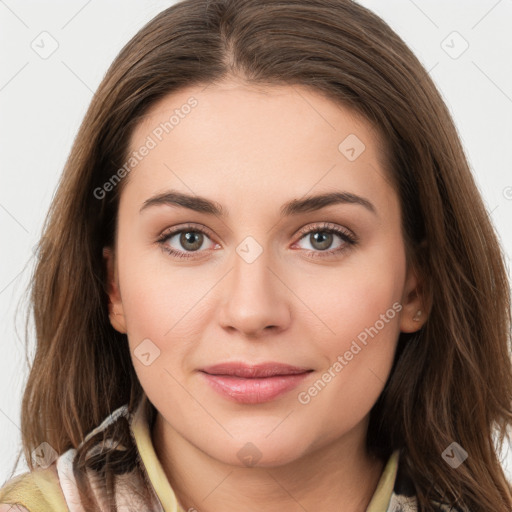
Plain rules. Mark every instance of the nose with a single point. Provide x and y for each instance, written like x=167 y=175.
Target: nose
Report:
x=255 y=298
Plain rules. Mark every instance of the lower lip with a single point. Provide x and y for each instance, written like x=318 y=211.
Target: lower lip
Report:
x=254 y=390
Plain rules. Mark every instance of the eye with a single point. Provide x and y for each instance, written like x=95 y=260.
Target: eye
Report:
x=191 y=239
x=321 y=238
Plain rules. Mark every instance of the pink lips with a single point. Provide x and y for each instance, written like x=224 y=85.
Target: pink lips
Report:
x=252 y=384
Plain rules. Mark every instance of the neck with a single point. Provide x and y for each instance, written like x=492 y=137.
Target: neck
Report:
x=339 y=475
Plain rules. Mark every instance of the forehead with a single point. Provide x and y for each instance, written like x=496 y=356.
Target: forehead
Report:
x=218 y=138
x=235 y=108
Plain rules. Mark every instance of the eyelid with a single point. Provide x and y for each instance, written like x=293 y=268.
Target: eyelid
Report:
x=327 y=226
x=322 y=225
x=192 y=226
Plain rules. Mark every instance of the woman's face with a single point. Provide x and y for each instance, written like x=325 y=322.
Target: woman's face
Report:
x=223 y=255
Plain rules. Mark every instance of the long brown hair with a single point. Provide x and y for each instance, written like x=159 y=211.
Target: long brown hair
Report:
x=451 y=381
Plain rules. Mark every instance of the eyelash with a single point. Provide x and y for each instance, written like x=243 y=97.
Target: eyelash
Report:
x=349 y=239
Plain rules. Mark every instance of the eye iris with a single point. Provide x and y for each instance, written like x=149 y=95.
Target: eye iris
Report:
x=322 y=237
x=191 y=237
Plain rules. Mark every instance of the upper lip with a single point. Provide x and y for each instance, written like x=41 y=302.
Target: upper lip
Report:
x=246 y=370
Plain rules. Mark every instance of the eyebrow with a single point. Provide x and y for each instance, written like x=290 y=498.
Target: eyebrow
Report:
x=293 y=207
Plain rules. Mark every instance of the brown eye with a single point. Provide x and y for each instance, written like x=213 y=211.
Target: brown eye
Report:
x=191 y=240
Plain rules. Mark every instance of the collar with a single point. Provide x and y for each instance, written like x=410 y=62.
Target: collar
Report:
x=155 y=471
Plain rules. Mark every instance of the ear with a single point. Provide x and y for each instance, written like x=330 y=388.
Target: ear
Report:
x=115 y=305
x=415 y=310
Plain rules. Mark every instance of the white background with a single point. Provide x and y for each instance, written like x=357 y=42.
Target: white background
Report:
x=42 y=102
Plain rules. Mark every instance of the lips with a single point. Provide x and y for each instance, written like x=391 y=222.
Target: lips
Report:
x=249 y=371
x=252 y=384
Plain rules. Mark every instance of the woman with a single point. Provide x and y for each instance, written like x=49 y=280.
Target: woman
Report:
x=365 y=370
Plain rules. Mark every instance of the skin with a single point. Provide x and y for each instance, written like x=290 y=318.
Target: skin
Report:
x=252 y=149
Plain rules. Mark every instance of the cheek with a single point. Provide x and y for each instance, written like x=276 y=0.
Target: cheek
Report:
x=150 y=294
x=358 y=349
x=159 y=332
x=360 y=308
x=362 y=295
x=164 y=309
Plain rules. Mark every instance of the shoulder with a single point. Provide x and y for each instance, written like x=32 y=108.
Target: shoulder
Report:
x=35 y=491
x=105 y=468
